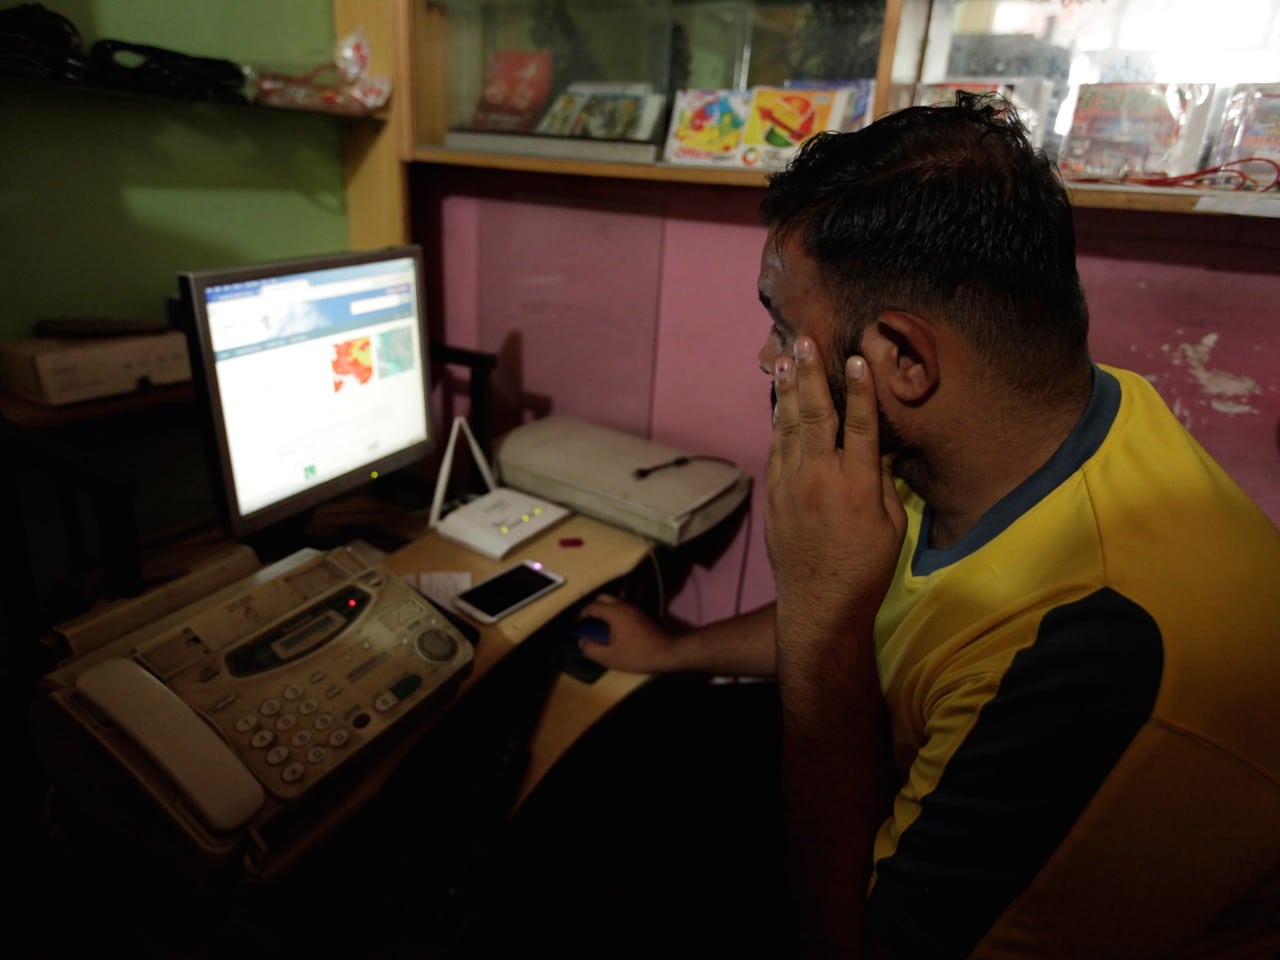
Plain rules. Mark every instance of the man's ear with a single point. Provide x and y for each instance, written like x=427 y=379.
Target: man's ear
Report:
x=903 y=348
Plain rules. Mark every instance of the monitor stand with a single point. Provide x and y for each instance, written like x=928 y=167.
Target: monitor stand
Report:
x=300 y=532
x=386 y=513
x=280 y=539
x=404 y=489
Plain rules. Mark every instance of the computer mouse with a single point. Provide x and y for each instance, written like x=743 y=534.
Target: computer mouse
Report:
x=592 y=628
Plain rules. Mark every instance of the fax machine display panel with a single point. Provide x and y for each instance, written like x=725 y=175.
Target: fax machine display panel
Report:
x=317 y=678
x=300 y=635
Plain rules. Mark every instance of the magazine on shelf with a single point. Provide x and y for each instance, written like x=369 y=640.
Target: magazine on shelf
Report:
x=517 y=84
x=1250 y=124
x=859 y=102
x=604 y=111
x=558 y=120
x=706 y=126
x=782 y=118
x=1146 y=130
x=1031 y=98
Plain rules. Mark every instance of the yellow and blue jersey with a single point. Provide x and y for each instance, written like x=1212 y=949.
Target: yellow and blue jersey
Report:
x=1085 y=704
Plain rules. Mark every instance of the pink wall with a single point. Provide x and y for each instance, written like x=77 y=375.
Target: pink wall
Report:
x=1168 y=299
x=709 y=394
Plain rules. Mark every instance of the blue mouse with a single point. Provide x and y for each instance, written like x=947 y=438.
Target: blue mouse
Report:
x=592 y=628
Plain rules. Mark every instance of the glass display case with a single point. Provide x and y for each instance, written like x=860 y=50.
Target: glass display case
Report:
x=602 y=79
x=1154 y=92
x=1167 y=89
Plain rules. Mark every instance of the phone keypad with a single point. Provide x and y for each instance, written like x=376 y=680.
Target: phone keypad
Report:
x=293 y=737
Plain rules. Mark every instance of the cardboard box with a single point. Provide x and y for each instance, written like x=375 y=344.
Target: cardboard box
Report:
x=59 y=371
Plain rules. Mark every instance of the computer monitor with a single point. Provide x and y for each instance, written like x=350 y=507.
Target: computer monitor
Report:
x=315 y=375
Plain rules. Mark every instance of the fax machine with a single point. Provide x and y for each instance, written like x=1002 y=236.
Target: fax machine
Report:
x=232 y=713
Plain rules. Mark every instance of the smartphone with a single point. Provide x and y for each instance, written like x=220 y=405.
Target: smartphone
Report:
x=492 y=599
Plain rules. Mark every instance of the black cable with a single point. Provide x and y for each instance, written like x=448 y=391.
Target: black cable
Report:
x=641 y=472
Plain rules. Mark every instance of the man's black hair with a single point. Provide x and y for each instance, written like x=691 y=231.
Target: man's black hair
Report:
x=950 y=213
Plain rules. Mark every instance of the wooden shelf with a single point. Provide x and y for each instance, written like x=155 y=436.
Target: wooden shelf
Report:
x=1176 y=200
x=1097 y=196
x=40 y=416
x=93 y=90
x=444 y=156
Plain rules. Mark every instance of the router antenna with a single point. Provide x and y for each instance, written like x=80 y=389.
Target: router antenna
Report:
x=446 y=467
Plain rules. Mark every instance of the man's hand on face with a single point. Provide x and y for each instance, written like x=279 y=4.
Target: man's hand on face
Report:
x=833 y=521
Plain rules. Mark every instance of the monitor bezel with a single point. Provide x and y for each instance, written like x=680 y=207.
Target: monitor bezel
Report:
x=192 y=285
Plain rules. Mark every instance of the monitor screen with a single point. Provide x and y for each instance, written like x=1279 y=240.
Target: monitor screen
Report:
x=315 y=372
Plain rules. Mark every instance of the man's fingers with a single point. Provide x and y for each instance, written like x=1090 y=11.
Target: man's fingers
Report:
x=817 y=415
x=804 y=421
x=861 y=421
x=782 y=440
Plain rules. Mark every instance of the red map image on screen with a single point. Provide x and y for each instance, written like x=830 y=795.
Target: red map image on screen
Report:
x=352 y=358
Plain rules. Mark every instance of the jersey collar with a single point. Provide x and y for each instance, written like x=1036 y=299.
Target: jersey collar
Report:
x=1082 y=443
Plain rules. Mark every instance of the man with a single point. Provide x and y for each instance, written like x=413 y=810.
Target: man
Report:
x=1027 y=634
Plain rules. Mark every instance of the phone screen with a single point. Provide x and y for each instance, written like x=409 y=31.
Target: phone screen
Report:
x=507 y=591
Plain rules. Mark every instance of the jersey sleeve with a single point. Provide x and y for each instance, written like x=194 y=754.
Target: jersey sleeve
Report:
x=1015 y=749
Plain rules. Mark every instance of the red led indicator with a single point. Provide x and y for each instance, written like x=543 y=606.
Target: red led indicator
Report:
x=351 y=603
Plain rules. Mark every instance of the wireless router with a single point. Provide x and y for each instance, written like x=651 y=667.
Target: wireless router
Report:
x=497 y=522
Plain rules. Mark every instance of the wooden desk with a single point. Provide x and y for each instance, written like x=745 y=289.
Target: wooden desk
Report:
x=603 y=555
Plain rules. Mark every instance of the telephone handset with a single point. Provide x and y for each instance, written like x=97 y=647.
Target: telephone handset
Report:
x=230 y=710
x=203 y=767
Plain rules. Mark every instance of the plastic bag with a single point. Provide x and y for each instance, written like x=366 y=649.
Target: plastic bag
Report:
x=340 y=86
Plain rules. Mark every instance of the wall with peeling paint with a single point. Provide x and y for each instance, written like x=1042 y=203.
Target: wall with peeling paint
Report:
x=1195 y=308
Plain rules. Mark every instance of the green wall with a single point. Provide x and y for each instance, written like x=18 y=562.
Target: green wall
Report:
x=105 y=198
